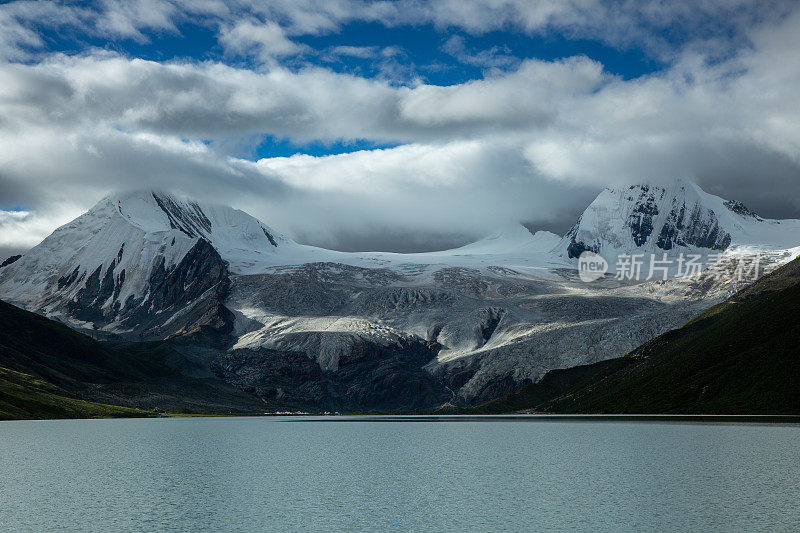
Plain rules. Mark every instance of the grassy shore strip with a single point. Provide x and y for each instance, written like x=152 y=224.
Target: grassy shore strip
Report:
x=23 y=396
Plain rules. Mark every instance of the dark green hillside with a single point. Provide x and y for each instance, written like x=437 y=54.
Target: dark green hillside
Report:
x=35 y=345
x=23 y=396
x=48 y=370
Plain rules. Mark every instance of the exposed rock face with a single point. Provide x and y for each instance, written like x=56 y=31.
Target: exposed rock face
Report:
x=640 y=221
x=700 y=229
x=371 y=376
x=283 y=378
x=10 y=260
x=191 y=292
x=574 y=247
x=740 y=209
x=192 y=222
x=183 y=298
x=653 y=219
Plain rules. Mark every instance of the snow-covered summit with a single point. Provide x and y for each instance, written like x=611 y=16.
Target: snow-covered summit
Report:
x=232 y=232
x=510 y=239
x=122 y=251
x=678 y=217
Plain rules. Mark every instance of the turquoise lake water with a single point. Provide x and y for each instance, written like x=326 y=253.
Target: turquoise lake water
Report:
x=295 y=474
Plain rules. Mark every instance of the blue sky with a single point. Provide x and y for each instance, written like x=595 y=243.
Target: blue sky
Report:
x=419 y=47
x=401 y=125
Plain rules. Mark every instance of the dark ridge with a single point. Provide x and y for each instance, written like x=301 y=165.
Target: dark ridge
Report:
x=173 y=222
x=73 y=277
x=201 y=217
x=200 y=278
x=641 y=219
x=271 y=239
x=701 y=229
x=740 y=209
x=197 y=284
x=118 y=284
x=194 y=223
x=704 y=231
x=575 y=248
x=80 y=307
x=10 y=260
x=88 y=302
x=671 y=230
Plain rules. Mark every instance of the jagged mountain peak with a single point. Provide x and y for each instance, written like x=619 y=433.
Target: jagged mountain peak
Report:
x=138 y=254
x=155 y=210
x=670 y=217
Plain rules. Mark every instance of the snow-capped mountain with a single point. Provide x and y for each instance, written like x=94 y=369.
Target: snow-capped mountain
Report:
x=139 y=261
x=672 y=219
x=317 y=328
x=150 y=264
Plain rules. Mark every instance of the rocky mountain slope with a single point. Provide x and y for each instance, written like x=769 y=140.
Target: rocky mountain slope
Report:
x=739 y=357
x=325 y=330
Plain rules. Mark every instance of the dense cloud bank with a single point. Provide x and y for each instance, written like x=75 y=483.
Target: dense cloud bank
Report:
x=531 y=142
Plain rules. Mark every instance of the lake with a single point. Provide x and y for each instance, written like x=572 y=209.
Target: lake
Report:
x=299 y=474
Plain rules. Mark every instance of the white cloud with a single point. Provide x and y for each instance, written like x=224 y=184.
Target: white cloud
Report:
x=362 y=52
x=246 y=23
x=211 y=100
x=527 y=98
x=531 y=143
x=265 y=40
x=17 y=35
x=464 y=187
x=20 y=230
x=130 y=18
x=496 y=57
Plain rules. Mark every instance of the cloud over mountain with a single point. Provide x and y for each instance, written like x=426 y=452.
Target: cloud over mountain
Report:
x=530 y=139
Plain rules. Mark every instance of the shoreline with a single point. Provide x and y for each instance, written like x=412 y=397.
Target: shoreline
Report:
x=736 y=419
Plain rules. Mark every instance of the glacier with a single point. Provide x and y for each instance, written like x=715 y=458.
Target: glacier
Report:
x=324 y=329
